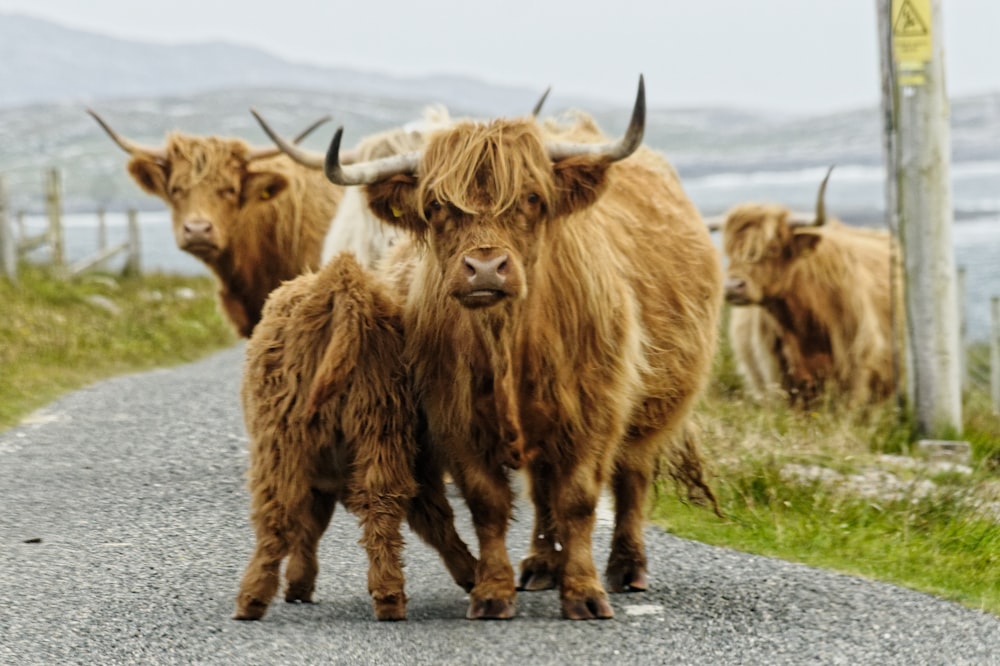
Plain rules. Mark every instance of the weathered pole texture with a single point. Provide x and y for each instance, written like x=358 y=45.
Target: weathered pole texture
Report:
x=53 y=204
x=133 y=263
x=8 y=242
x=919 y=203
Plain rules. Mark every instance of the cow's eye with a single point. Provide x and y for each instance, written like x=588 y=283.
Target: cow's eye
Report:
x=433 y=207
x=533 y=198
x=176 y=191
x=227 y=192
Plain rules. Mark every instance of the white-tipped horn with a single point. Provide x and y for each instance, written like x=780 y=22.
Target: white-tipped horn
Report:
x=365 y=173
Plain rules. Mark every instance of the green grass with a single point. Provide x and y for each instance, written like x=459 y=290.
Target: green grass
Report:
x=56 y=336
x=945 y=542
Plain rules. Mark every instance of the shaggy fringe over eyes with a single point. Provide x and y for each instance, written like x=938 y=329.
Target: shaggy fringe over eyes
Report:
x=751 y=230
x=486 y=169
x=204 y=155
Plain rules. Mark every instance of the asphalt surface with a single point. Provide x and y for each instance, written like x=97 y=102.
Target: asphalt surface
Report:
x=124 y=532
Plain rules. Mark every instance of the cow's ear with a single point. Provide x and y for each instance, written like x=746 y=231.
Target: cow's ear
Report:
x=394 y=200
x=804 y=242
x=262 y=186
x=579 y=182
x=151 y=175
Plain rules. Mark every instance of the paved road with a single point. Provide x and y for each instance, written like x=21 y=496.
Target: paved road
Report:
x=123 y=534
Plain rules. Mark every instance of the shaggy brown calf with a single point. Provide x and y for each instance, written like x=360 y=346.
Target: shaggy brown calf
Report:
x=561 y=303
x=328 y=406
x=812 y=304
x=252 y=216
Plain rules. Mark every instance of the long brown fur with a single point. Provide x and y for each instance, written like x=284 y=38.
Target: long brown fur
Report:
x=328 y=406
x=584 y=372
x=252 y=223
x=812 y=306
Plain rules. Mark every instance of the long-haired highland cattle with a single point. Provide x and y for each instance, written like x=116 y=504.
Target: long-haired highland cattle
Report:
x=561 y=298
x=812 y=304
x=328 y=406
x=251 y=215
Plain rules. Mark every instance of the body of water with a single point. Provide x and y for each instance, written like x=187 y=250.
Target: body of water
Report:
x=855 y=193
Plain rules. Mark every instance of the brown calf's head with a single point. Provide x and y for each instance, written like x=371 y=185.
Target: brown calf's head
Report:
x=762 y=242
x=482 y=194
x=208 y=183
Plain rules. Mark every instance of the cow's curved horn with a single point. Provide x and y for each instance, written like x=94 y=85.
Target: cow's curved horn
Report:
x=366 y=173
x=541 y=102
x=263 y=153
x=306 y=158
x=617 y=150
x=130 y=147
x=820 y=218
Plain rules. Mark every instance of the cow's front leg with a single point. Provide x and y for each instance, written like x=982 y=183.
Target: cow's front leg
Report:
x=574 y=506
x=490 y=499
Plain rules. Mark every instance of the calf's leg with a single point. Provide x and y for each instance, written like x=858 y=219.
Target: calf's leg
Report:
x=381 y=519
x=302 y=562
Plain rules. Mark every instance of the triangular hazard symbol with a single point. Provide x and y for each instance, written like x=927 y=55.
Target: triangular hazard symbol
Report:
x=908 y=22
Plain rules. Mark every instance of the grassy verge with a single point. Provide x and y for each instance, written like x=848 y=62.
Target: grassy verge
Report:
x=57 y=335
x=846 y=491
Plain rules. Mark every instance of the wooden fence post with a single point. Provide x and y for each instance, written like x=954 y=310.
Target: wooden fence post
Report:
x=102 y=230
x=995 y=353
x=133 y=254
x=53 y=201
x=8 y=242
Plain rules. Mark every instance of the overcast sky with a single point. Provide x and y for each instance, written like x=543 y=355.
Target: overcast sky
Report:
x=798 y=55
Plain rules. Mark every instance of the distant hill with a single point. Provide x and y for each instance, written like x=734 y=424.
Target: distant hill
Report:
x=45 y=63
x=50 y=74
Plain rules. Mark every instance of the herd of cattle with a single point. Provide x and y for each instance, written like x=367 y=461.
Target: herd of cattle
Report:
x=459 y=298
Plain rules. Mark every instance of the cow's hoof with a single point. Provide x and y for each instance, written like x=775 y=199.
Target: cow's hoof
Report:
x=593 y=608
x=538 y=573
x=249 y=609
x=298 y=595
x=627 y=580
x=533 y=581
x=390 y=607
x=491 y=609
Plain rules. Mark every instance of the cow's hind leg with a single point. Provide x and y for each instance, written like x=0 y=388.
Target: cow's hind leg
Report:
x=626 y=570
x=381 y=519
x=302 y=562
x=542 y=567
x=430 y=516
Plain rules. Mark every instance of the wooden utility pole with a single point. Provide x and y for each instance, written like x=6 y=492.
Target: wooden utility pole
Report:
x=918 y=203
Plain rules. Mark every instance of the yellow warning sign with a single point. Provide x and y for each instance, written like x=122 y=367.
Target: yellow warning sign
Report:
x=911 y=38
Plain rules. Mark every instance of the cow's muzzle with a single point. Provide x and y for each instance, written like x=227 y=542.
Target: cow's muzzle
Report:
x=737 y=292
x=198 y=237
x=488 y=276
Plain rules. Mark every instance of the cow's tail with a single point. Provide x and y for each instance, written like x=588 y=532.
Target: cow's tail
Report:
x=343 y=282
x=682 y=461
